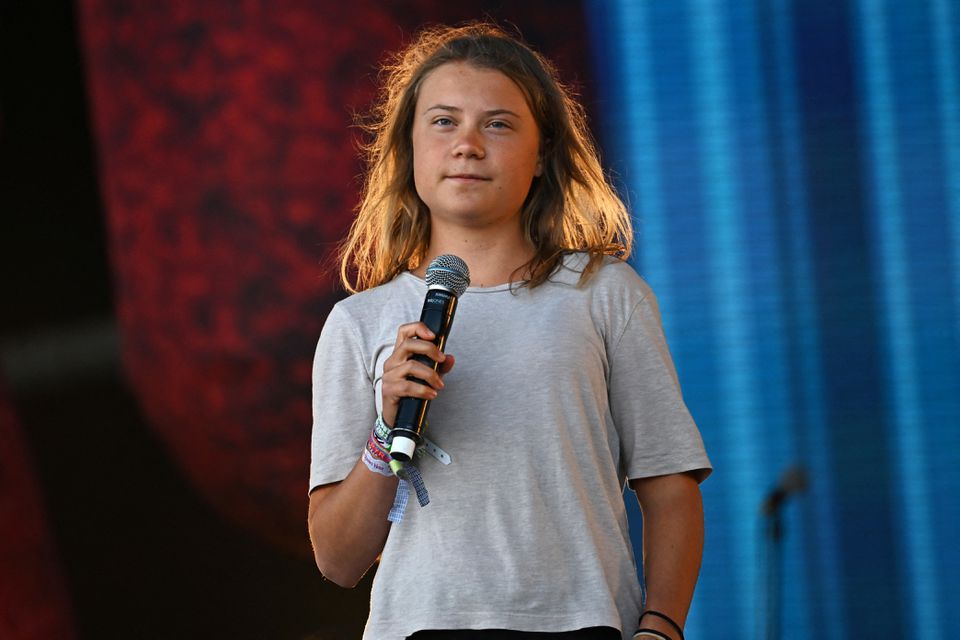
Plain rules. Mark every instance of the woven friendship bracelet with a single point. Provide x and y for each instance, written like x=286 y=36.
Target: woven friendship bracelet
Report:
x=408 y=475
x=376 y=450
x=375 y=455
x=375 y=464
x=381 y=432
x=411 y=474
x=399 y=503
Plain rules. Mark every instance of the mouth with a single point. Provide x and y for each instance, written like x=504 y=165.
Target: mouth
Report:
x=467 y=177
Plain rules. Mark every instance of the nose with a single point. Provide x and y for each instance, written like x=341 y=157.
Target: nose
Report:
x=468 y=144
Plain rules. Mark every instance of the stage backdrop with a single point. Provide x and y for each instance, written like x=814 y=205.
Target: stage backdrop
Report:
x=794 y=172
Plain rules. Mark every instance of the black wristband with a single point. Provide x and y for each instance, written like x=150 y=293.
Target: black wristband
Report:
x=663 y=616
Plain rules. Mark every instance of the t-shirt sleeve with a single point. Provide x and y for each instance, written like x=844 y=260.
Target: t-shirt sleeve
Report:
x=657 y=433
x=344 y=407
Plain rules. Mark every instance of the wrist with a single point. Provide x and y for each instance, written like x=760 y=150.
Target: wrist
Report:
x=650 y=634
x=376 y=454
x=659 y=624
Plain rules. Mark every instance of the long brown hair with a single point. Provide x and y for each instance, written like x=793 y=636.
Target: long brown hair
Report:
x=570 y=207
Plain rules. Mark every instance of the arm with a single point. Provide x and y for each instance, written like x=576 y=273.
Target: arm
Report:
x=348 y=523
x=347 y=520
x=672 y=545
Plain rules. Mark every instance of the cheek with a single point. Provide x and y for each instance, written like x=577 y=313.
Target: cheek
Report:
x=416 y=156
x=418 y=151
x=421 y=156
x=527 y=159
x=421 y=173
x=525 y=171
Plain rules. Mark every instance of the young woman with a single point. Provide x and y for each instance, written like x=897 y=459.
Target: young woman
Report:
x=563 y=387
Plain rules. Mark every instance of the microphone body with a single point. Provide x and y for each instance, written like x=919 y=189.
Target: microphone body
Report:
x=447 y=279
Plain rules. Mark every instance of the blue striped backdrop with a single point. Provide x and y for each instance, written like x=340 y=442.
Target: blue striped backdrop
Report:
x=794 y=172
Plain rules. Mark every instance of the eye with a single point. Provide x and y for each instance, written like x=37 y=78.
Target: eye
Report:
x=443 y=121
x=499 y=124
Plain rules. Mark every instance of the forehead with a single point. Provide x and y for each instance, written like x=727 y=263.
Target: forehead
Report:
x=463 y=85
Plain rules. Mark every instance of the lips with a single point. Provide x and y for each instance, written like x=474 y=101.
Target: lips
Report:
x=470 y=177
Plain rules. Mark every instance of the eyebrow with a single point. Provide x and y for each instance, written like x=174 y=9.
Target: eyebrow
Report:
x=490 y=112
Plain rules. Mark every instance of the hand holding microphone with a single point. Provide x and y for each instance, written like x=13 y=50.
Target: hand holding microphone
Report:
x=401 y=372
x=413 y=372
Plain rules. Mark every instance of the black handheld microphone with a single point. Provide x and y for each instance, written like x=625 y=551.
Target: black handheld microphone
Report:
x=447 y=278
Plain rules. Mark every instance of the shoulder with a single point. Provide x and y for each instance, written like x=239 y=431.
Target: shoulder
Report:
x=613 y=277
x=619 y=276
x=371 y=317
x=621 y=298
x=375 y=300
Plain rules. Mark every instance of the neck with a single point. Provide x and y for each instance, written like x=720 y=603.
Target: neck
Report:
x=492 y=260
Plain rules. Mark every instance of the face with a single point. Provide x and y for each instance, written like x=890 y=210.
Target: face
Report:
x=475 y=147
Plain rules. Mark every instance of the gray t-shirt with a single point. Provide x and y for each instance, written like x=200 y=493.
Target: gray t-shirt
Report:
x=559 y=394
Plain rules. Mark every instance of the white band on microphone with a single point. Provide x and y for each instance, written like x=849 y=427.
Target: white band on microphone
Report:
x=404 y=446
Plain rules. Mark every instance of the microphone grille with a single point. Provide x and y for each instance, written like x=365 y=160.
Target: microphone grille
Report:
x=450 y=272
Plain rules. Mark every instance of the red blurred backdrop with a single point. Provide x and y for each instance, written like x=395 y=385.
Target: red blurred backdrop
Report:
x=228 y=169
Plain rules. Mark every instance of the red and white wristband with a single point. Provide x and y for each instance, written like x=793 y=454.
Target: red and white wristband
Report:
x=376 y=452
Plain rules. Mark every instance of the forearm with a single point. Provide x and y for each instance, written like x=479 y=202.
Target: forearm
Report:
x=672 y=546
x=348 y=523
x=348 y=520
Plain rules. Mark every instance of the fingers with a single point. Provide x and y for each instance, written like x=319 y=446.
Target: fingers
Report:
x=413 y=339
x=446 y=365
x=411 y=368
x=396 y=384
x=412 y=355
x=413 y=330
